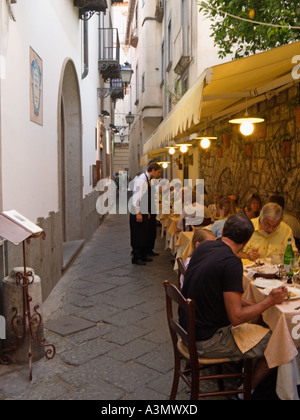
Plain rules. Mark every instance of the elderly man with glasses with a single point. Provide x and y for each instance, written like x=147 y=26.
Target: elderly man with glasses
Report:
x=270 y=236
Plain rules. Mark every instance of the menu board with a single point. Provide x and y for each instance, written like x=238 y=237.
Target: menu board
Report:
x=15 y=227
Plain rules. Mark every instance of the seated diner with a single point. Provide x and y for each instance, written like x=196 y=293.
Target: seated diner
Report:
x=214 y=280
x=270 y=235
x=227 y=208
x=253 y=206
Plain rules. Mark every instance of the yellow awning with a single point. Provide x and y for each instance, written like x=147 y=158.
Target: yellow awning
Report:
x=185 y=114
x=221 y=91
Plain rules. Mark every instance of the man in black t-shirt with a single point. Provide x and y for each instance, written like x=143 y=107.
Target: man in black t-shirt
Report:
x=214 y=280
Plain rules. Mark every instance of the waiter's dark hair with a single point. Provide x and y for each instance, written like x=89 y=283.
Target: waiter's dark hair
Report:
x=238 y=228
x=154 y=166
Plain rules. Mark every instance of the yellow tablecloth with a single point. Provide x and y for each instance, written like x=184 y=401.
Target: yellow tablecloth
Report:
x=284 y=321
x=184 y=245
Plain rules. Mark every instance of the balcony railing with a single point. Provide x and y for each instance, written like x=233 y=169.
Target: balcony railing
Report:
x=109 y=53
x=117 y=89
x=88 y=7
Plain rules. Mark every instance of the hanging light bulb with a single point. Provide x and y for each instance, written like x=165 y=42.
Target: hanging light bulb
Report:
x=183 y=148
x=205 y=143
x=165 y=165
x=247 y=128
x=172 y=151
x=246 y=123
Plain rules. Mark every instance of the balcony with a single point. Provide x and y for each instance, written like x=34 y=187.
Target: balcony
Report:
x=159 y=12
x=117 y=89
x=109 y=53
x=88 y=7
x=182 y=51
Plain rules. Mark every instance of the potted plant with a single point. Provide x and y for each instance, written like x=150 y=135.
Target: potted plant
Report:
x=285 y=147
x=261 y=130
x=295 y=104
x=248 y=149
x=219 y=149
x=225 y=134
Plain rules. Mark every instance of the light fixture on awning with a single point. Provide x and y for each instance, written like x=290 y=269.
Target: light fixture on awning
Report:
x=205 y=142
x=164 y=164
x=184 y=147
x=247 y=123
x=172 y=149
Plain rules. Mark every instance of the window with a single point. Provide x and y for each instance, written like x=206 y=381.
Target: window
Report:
x=137 y=84
x=170 y=45
x=163 y=65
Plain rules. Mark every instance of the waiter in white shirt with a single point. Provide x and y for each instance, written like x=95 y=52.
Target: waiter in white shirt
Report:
x=142 y=223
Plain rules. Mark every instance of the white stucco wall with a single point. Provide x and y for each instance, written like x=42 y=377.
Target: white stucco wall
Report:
x=30 y=151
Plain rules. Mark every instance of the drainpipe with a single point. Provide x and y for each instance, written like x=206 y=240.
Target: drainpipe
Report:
x=85 y=48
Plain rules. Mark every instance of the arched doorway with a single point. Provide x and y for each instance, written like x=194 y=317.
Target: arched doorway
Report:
x=70 y=158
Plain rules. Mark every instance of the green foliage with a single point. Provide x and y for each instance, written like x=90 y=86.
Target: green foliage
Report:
x=233 y=36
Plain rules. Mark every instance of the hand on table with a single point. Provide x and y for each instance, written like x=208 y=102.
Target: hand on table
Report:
x=278 y=295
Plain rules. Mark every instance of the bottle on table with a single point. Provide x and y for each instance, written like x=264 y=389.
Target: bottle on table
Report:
x=289 y=257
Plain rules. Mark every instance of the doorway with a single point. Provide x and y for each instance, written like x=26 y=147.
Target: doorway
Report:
x=70 y=162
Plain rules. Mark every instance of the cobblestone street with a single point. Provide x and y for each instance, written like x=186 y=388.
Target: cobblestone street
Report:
x=107 y=319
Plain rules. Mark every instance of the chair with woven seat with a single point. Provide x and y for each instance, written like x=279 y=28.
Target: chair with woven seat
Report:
x=184 y=346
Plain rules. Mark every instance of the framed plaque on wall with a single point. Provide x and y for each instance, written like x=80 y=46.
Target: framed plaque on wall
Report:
x=36 y=88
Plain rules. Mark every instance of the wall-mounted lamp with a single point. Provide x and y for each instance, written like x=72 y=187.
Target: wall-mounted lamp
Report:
x=129 y=118
x=126 y=73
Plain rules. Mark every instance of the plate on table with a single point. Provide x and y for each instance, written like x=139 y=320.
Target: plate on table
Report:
x=293 y=291
x=269 y=270
x=263 y=283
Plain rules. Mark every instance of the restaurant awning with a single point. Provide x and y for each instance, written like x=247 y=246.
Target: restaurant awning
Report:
x=185 y=114
x=221 y=90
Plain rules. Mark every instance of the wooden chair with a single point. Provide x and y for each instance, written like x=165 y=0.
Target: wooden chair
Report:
x=184 y=346
x=181 y=270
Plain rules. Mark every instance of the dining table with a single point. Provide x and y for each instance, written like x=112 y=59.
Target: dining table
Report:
x=284 y=322
x=184 y=247
x=169 y=230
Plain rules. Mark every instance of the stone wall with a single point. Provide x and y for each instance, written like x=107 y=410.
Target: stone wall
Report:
x=265 y=166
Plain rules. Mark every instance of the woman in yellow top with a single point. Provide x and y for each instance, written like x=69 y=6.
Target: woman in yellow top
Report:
x=271 y=234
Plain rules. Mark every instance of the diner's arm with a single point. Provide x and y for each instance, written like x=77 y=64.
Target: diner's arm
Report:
x=239 y=314
x=253 y=254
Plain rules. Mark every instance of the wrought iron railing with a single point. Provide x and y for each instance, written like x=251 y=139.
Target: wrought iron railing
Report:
x=109 y=53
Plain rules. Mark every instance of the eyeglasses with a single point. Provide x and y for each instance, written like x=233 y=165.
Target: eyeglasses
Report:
x=269 y=226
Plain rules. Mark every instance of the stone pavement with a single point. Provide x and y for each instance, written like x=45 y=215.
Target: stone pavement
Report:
x=107 y=320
